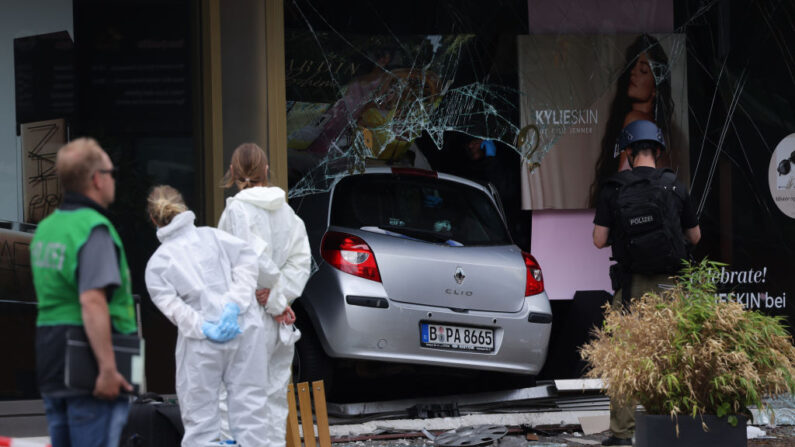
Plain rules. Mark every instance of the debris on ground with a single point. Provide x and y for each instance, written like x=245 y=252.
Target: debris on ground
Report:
x=782 y=436
x=755 y=432
x=478 y=435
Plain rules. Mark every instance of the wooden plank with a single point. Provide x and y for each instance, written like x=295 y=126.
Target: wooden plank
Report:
x=293 y=436
x=319 y=395
x=305 y=402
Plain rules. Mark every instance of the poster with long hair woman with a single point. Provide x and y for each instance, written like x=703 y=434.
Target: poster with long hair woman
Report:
x=580 y=91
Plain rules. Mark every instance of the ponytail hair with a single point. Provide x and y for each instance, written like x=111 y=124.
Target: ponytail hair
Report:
x=249 y=167
x=163 y=203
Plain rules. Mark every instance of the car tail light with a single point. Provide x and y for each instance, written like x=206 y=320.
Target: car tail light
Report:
x=350 y=254
x=535 y=280
x=415 y=171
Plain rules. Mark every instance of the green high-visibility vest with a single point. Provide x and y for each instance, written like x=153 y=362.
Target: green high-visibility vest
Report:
x=53 y=259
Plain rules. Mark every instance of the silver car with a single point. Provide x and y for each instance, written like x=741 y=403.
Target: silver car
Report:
x=417 y=267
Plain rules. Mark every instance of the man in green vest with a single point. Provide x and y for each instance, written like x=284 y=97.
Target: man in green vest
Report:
x=81 y=278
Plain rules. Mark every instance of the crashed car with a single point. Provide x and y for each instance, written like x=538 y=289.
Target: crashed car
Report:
x=417 y=267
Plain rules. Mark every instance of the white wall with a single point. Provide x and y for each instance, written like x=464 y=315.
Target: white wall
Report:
x=20 y=18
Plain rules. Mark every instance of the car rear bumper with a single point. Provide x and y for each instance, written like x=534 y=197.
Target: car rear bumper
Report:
x=372 y=327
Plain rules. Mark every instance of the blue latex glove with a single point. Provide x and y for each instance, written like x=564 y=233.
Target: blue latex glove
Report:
x=489 y=147
x=227 y=328
x=230 y=313
x=228 y=321
x=214 y=332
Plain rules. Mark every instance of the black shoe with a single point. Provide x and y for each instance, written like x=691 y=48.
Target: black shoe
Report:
x=617 y=441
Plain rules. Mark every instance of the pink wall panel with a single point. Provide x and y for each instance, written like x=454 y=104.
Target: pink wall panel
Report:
x=563 y=245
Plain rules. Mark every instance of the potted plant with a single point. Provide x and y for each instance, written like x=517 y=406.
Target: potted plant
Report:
x=694 y=362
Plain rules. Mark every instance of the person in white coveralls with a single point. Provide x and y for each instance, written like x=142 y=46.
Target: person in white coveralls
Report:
x=203 y=280
x=259 y=214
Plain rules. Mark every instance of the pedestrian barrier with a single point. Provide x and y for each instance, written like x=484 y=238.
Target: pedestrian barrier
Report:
x=318 y=394
x=18 y=442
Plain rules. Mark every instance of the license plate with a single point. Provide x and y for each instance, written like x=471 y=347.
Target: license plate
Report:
x=457 y=338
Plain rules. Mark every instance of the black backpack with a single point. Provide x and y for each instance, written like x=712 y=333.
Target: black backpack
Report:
x=648 y=234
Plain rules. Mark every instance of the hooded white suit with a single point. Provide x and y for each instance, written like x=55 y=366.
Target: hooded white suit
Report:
x=261 y=217
x=191 y=276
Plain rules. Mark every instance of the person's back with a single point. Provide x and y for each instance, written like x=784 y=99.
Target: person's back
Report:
x=647 y=227
x=269 y=216
x=259 y=214
x=203 y=281
x=205 y=277
x=645 y=215
x=645 y=202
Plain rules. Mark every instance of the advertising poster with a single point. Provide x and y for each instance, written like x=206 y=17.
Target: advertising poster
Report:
x=579 y=91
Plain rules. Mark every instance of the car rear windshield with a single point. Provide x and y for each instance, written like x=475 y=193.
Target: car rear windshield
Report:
x=424 y=208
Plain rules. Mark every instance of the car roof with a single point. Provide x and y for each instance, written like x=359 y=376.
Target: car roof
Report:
x=414 y=171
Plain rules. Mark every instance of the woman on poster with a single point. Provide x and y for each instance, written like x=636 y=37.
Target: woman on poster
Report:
x=643 y=93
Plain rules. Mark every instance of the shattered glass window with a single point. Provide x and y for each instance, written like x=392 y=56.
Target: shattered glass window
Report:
x=355 y=99
x=552 y=84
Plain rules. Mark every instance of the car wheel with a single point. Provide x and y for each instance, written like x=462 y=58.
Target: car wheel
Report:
x=310 y=362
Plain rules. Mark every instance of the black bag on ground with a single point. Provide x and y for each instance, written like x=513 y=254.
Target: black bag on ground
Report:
x=152 y=423
x=649 y=236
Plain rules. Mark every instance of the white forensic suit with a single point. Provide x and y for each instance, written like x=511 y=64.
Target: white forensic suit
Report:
x=262 y=217
x=191 y=277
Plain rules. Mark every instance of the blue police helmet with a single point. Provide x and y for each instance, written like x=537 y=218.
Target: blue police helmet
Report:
x=640 y=130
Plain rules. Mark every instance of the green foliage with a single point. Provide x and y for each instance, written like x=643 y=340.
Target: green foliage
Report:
x=685 y=352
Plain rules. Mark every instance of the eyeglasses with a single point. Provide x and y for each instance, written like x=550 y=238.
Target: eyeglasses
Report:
x=112 y=171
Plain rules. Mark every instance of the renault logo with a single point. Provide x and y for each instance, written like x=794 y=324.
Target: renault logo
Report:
x=459 y=275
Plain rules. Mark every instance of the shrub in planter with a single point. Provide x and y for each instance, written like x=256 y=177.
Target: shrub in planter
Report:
x=683 y=352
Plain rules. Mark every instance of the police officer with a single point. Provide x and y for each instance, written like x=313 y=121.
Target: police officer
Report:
x=81 y=279
x=646 y=215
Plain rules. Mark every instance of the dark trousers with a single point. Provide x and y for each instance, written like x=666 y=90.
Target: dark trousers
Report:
x=622 y=417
